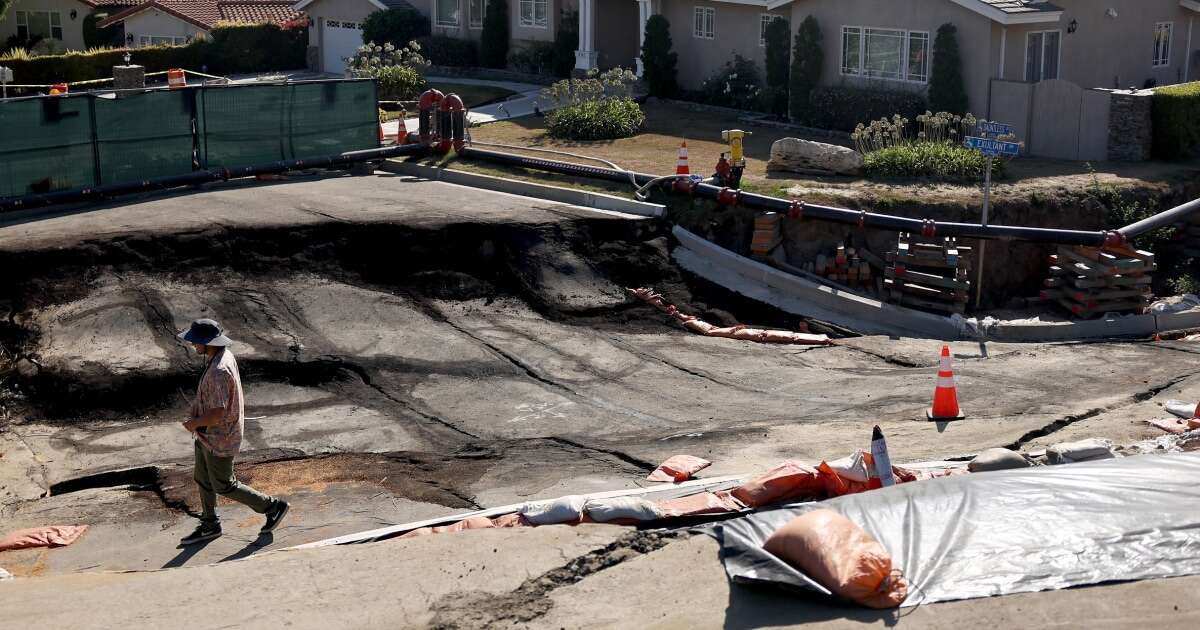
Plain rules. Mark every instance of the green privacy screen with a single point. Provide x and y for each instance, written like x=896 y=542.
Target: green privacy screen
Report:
x=258 y=124
x=46 y=145
x=80 y=141
x=144 y=136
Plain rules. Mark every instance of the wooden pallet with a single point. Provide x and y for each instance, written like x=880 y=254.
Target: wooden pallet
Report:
x=1090 y=281
x=928 y=275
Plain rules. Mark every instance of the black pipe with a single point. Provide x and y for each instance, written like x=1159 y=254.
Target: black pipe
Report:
x=828 y=213
x=204 y=176
x=1162 y=219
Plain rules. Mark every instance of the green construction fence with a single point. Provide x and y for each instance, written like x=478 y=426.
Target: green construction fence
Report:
x=80 y=141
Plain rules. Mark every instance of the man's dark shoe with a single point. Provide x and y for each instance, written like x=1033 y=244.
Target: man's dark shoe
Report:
x=203 y=533
x=274 y=515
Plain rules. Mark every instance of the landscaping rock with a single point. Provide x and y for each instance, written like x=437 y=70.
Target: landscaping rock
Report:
x=806 y=156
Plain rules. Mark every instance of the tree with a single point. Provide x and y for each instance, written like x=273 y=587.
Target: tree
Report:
x=807 y=58
x=493 y=44
x=96 y=37
x=778 y=51
x=396 y=26
x=658 y=62
x=566 y=41
x=946 y=90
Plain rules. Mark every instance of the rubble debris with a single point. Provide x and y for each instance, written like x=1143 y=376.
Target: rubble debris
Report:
x=678 y=468
x=746 y=333
x=1080 y=451
x=49 y=536
x=997 y=459
x=840 y=556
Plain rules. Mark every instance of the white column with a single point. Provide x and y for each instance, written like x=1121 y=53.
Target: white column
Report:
x=1188 y=54
x=644 y=13
x=585 y=57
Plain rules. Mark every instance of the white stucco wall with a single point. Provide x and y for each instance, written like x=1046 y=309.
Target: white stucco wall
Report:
x=72 y=28
x=156 y=23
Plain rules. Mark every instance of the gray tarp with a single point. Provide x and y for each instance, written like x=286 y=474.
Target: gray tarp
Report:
x=1010 y=531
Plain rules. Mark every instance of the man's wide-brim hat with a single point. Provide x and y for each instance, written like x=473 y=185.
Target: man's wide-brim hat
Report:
x=206 y=332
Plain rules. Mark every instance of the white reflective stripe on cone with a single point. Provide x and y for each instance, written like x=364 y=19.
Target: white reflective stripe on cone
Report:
x=945 y=364
x=945 y=381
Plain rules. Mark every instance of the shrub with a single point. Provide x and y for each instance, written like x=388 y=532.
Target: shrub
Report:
x=946 y=90
x=842 y=108
x=658 y=62
x=533 y=57
x=597 y=107
x=493 y=43
x=1176 y=117
x=807 y=58
x=566 y=41
x=778 y=63
x=97 y=37
x=233 y=48
x=400 y=83
x=736 y=85
x=933 y=160
x=448 y=51
x=396 y=26
x=605 y=119
x=370 y=57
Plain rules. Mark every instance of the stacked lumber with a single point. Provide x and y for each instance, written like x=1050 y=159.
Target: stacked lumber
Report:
x=768 y=234
x=1091 y=281
x=928 y=274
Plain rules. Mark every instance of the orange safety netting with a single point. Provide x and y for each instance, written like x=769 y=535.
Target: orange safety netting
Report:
x=742 y=332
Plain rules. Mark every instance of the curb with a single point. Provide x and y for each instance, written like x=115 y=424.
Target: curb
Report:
x=597 y=201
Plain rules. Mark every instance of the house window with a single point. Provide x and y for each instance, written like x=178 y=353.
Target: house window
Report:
x=39 y=24
x=882 y=53
x=1162 y=44
x=533 y=13
x=160 y=40
x=447 y=13
x=704 y=23
x=1042 y=55
x=475 y=10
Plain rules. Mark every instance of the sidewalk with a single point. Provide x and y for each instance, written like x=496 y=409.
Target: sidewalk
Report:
x=519 y=105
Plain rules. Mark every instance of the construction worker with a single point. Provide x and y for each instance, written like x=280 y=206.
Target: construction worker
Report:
x=216 y=419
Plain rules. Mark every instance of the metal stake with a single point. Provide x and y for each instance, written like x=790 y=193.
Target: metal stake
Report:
x=987 y=199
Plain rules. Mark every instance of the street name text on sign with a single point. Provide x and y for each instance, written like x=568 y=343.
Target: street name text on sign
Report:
x=994 y=129
x=990 y=147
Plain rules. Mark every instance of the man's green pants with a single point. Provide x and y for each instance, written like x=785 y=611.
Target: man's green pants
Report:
x=214 y=475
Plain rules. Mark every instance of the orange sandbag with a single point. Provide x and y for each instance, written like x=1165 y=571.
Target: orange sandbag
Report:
x=696 y=504
x=784 y=482
x=51 y=536
x=678 y=468
x=514 y=519
x=840 y=556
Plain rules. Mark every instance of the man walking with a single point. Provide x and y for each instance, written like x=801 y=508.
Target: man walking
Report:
x=217 y=417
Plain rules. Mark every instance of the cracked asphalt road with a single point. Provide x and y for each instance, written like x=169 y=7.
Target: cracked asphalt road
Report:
x=414 y=358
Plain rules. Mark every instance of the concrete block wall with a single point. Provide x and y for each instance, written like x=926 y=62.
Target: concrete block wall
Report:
x=1130 y=128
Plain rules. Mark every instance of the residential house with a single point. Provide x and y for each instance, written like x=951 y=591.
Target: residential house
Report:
x=155 y=22
x=336 y=28
x=888 y=43
x=62 y=20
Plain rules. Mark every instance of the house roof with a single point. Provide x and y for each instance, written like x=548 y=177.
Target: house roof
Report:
x=1014 y=11
x=1194 y=5
x=206 y=13
x=379 y=4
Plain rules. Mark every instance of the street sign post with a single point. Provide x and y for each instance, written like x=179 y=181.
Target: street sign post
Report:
x=991 y=146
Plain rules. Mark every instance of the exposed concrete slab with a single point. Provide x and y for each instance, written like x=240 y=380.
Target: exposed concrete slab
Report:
x=683 y=585
x=357 y=586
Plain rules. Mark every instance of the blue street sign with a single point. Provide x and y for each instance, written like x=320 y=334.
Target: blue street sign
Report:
x=988 y=146
x=994 y=128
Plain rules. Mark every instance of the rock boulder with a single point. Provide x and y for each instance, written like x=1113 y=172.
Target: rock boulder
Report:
x=806 y=156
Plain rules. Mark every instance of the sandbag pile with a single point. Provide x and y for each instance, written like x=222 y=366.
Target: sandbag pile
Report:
x=746 y=333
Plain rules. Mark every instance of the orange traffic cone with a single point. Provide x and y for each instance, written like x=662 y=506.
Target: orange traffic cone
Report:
x=681 y=165
x=945 y=397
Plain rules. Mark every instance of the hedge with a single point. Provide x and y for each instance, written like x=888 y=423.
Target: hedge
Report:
x=842 y=108
x=440 y=50
x=230 y=49
x=1176 y=117
x=396 y=26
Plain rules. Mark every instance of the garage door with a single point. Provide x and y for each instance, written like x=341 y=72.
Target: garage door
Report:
x=341 y=40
